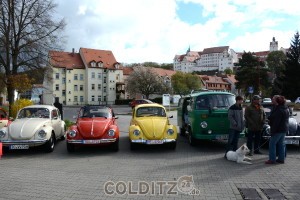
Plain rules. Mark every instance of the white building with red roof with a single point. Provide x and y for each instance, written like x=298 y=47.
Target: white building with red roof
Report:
x=89 y=77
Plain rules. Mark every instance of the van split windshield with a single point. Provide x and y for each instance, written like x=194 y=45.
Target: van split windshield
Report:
x=214 y=101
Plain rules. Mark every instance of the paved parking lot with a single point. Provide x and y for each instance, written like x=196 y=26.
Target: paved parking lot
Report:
x=33 y=174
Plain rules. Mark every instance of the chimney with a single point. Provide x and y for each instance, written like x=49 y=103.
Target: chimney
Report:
x=73 y=51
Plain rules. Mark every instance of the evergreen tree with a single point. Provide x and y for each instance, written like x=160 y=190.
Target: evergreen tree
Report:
x=291 y=83
x=251 y=72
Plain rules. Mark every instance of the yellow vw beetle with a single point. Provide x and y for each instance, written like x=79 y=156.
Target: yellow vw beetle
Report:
x=150 y=125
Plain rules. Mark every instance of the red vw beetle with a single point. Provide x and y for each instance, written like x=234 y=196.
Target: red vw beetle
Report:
x=95 y=125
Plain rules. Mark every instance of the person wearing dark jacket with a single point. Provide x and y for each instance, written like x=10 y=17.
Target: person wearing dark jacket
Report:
x=279 y=123
x=255 y=118
x=236 y=120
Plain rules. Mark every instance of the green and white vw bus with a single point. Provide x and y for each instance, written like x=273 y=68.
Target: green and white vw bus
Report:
x=204 y=115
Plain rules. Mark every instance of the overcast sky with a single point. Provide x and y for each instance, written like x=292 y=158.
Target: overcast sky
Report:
x=139 y=31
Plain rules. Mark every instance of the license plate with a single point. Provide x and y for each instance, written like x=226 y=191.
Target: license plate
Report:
x=154 y=141
x=289 y=141
x=222 y=137
x=19 y=146
x=92 y=141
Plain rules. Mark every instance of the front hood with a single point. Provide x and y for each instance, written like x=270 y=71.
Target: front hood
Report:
x=153 y=128
x=93 y=127
x=24 y=129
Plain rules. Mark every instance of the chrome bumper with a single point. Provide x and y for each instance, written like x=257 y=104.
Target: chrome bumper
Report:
x=29 y=142
x=142 y=141
x=101 y=141
x=297 y=137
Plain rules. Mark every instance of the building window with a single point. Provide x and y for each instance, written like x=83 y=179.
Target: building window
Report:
x=104 y=98
x=104 y=89
x=99 y=86
x=93 y=86
x=93 y=64
x=81 y=77
x=99 y=75
x=57 y=87
x=81 y=98
x=63 y=81
x=75 y=87
x=75 y=98
x=57 y=76
x=104 y=80
x=99 y=98
x=75 y=76
x=63 y=70
x=93 y=74
x=93 y=98
x=81 y=87
x=64 y=93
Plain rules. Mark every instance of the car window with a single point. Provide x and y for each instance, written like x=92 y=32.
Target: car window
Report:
x=95 y=112
x=34 y=113
x=214 y=101
x=150 y=111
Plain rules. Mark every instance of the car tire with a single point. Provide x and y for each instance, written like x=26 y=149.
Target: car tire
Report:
x=172 y=145
x=49 y=146
x=182 y=131
x=192 y=140
x=133 y=146
x=115 y=146
x=70 y=147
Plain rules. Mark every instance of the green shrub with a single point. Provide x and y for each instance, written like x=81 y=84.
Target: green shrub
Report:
x=18 y=105
x=68 y=123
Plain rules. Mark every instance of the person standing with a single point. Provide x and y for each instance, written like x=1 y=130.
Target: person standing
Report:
x=279 y=123
x=236 y=120
x=58 y=106
x=255 y=118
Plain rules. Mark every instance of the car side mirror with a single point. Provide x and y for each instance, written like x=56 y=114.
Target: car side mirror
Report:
x=171 y=116
x=116 y=117
x=74 y=117
x=295 y=114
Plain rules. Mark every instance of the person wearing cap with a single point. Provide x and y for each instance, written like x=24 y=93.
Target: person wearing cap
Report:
x=236 y=119
x=255 y=118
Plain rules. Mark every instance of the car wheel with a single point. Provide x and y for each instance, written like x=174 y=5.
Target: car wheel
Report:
x=182 y=131
x=133 y=146
x=49 y=146
x=70 y=147
x=192 y=140
x=172 y=145
x=115 y=146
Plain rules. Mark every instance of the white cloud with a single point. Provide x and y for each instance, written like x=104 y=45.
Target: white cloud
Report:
x=149 y=30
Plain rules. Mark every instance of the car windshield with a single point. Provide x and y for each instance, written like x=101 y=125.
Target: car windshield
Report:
x=204 y=102
x=34 y=113
x=150 y=111
x=94 y=111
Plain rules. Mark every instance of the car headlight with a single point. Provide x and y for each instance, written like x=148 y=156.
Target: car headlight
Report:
x=268 y=130
x=111 y=133
x=72 y=133
x=136 y=132
x=170 y=131
x=203 y=124
x=2 y=134
x=42 y=133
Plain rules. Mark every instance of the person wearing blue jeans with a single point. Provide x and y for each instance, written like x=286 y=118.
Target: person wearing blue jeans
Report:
x=279 y=122
x=236 y=119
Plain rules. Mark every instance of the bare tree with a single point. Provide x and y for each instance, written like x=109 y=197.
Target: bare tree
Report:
x=143 y=80
x=28 y=31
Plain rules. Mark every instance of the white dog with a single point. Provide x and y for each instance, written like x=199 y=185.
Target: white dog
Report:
x=239 y=155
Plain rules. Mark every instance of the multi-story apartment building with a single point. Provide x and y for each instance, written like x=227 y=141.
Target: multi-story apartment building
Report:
x=88 y=77
x=215 y=58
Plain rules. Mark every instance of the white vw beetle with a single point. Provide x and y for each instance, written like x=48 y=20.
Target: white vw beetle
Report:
x=34 y=126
